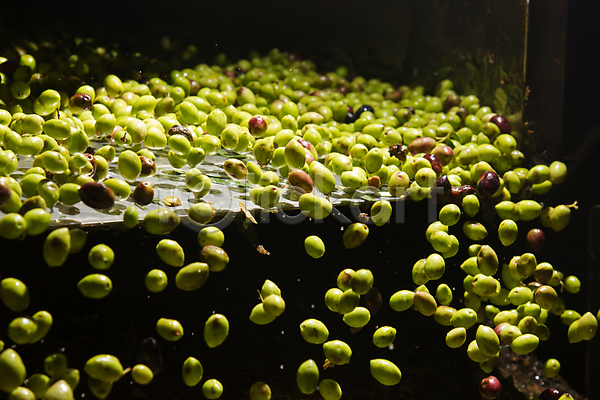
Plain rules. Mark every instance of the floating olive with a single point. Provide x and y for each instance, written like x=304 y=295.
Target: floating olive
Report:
x=192 y=371
x=358 y=317
x=143 y=193
x=95 y=286
x=337 y=352
x=307 y=377
x=97 y=195
x=104 y=367
x=170 y=252
x=56 y=247
x=259 y=316
x=314 y=246
x=260 y=391
x=192 y=276
x=101 y=256
x=14 y=294
x=169 y=329
x=314 y=331
x=141 y=374
x=355 y=234
x=525 y=343
x=385 y=372
x=216 y=330
x=402 y=300
x=160 y=221
x=60 y=390
x=384 y=336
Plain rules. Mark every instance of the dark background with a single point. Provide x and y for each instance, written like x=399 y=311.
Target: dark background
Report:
x=143 y=24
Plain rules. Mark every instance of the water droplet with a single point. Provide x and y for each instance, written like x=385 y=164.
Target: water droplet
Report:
x=281 y=366
x=391 y=346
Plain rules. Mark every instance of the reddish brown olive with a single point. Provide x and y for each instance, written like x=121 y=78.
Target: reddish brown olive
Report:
x=97 y=195
x=143 y=193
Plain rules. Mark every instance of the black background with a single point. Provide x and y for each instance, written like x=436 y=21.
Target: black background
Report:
x=145 y=23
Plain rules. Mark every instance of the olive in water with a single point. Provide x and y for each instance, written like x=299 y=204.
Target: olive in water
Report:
x=170 y=252
x=14 y=294
x=307 y=377
x=169 y=329
x=260 y=391
x=56 y=247
x=385 y=372
x=12 y=370
x=143 y=193
x=160 y=221
x=60 y=390
x=216 y=330
x=104 y=367
x=97 y=195
x=192 y=371
x=355 y=235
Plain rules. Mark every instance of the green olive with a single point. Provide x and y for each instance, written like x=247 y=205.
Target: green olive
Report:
x=101 y=256
x=104 y=367
x=216 y=330
x=14 y=294
x=385 y=372
x=95 y=286
x=314 y=331
x=169 y=329
x=170 y=252
x=192 y=371
x=307 y=377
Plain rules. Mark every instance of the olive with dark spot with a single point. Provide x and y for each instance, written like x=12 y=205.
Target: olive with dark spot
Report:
x=148 y=166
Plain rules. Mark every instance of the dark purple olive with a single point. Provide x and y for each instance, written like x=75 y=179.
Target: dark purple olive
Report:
x=149 y=353
x=550 y=394
x=444 y=183
x=362 y=109
x=143 y=193
x=452 y=100
x=441 y=190
x=350 y=116
x=181 y=130
x=490 y=387
x=258 y=125
x=97 y=195
x=5 y=193
x=488 y=184
x=81 y=102
x=502 y=123
x=536 y=239
x=148 y=166
x=371 y=300
x=436 y=165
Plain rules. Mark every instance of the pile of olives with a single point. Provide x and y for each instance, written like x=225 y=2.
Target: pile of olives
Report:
x=286 y=134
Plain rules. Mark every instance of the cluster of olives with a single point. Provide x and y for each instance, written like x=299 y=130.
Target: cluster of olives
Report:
x=307 y=137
